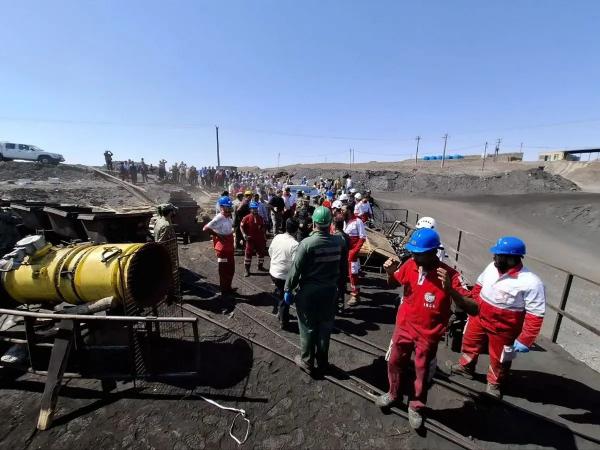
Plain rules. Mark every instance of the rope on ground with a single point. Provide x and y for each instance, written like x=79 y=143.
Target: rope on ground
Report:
x=240 y=413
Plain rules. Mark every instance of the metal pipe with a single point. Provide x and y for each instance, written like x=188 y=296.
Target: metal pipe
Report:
x=85 y=318
x=563 y=304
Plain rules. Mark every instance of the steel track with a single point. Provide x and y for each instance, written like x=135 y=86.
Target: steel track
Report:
x=447 y=383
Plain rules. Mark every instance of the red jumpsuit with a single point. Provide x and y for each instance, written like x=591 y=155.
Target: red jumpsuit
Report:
x=223 y=244
x=355 y=229
x=511 y=306
x=253 y=226
x=421 y=322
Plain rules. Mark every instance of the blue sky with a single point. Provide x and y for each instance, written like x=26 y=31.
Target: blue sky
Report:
x=306 y=79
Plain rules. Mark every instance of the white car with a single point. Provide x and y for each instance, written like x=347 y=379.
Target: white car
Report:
x=10 y=151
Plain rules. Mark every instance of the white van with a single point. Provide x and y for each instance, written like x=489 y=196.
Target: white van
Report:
x=10 y=151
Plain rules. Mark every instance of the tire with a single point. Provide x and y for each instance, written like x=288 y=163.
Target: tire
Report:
x=45 y=159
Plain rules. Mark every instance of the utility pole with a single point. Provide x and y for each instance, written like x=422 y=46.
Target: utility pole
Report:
x=418 y=138
x=484 y=156
x=350 y=153
x=353 y=160
x=218 y=155
x=444 y=153
x=497 y=149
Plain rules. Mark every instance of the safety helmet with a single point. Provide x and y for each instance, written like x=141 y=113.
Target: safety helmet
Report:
x=509 y=245
x=329 y=194
x=253 y=205
x=426 y=222
x=344 y=197
x=322 y=216
x=423 y=240
x=358 y=196
x=337 y=204
x=353 y=191
x=225 y=202
x=327 y=204
x=248 y=192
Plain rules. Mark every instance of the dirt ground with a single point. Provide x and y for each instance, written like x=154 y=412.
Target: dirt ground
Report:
x=80 y=185
x=286 y=407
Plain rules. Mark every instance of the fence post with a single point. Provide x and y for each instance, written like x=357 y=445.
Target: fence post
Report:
x=562 y=306
x=458 y=247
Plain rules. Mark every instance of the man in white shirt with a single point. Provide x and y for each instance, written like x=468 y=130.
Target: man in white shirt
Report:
x=282 y=251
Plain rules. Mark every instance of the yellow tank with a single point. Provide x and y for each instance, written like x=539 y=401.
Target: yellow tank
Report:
x=85 y=272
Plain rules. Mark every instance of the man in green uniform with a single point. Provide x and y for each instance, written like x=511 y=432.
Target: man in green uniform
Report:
x=314 y=277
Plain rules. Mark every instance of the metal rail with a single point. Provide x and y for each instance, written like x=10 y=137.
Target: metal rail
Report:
x=85 y=318
x=447 y=383
x=364 y=391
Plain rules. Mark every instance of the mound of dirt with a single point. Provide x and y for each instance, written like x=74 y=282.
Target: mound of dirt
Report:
x=417 y=182
x=11 y=170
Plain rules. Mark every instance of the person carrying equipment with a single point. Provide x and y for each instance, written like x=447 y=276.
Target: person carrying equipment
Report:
x=512 y=303
x=355 y=229
x=253 y=229
x=242 y=209
x=314 y=277
x=221 y=230
x=430 y=286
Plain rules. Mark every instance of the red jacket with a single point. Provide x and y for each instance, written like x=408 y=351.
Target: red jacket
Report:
x=253 y=227
x=512 y=304
x=425 y=308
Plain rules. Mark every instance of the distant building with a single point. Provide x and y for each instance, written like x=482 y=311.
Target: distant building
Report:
x=566 y=155
x=557 y=156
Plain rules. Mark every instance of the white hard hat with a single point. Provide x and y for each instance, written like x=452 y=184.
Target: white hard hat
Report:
x=352 y=191
x=358 y=196
x=344 y=198
x=337 y=204
x=426 y=222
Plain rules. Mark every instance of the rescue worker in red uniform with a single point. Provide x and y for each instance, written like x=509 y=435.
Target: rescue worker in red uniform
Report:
x=253 y=229
x=430 y=286
x=221 y=230
x=512 y=304
x=355 y=229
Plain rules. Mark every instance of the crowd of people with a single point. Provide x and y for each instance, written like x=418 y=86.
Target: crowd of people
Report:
x=312 y=267
x=314 y=256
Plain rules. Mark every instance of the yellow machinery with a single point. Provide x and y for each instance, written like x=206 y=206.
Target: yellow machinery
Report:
x=81 y=273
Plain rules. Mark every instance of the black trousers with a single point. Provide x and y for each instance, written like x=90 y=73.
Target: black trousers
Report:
x=283 y=310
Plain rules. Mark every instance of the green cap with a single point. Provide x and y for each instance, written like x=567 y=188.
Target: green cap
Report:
x=322 y=216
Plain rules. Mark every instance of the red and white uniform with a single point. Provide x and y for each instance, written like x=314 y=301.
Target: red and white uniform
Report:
x=421 y=322
x=355 y=229
x=363 y=210
x=253 y=226
x=223 y=244
x=511 y=306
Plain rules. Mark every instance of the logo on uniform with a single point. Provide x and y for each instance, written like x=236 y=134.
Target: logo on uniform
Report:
x=429 y=297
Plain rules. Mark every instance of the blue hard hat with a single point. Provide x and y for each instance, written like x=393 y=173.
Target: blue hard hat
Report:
x=423 y=240
x=508 y=245
x=253 y=205
x=329 y=194
x=225 y=202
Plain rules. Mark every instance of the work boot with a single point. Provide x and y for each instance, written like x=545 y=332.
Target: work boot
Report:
x=493 y=390
x=261 y=268
x=247 y=273
x=354 y=300
x=385 y=400
x=415 y=418
x=459 y=369
x=303 y=365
